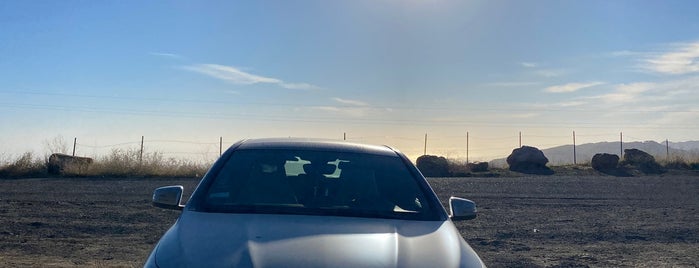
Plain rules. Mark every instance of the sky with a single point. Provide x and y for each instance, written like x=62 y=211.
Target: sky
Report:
x=185 y=75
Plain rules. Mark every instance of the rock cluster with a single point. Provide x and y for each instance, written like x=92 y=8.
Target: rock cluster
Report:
x=635 y=162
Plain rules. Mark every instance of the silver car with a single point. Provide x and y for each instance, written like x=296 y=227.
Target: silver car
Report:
x=312 y=203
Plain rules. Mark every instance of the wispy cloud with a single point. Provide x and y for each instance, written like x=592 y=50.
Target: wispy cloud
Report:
x=344 y=111
x=550 y=72
x=668 y=93
x=236 y=76
x=528 y=64
x=302 y=86
x=570 y=103
x=624 y=53
x=571 y=87
x=512 y=84
x=167 y=55
x=681 y=59
x=524 y=115
x=625 y=93
x=351 y=108
x=351 y=102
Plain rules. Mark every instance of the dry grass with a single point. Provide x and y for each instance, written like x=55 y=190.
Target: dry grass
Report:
x=683 y=162
x=25 y=165
x=119 y=163
x=129 y=163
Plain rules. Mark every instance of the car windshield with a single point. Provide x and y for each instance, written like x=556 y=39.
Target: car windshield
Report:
x=318 y=183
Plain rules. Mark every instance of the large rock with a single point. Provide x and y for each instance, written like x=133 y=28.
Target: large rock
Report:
x=642 y=161
x=529 y=160
x=60 y=163
x=433 y=166
x=605 y=162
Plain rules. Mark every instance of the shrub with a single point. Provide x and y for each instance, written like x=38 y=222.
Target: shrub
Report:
x=675 y=164
x=26 y=165
x=457 y=168
x=694 y=166
x=478 y=166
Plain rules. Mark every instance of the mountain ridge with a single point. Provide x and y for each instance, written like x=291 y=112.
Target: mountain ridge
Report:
x=563 y=155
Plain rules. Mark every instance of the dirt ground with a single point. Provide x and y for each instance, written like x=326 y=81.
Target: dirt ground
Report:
x=531 y=221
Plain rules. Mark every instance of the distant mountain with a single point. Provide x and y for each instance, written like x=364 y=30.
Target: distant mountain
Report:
x=563 y=155
x=685 y=145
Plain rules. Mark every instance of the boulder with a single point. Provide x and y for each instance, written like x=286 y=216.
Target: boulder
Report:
x=478 y=166
x=642 y=161
x=59 y=163
x=529 y=160
x=636 y=157
x=433 y=166
x=604 y=162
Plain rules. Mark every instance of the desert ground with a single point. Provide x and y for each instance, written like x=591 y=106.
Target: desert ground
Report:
x=524 y=221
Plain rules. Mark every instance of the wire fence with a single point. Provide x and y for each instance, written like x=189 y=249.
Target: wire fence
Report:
x=574 y=148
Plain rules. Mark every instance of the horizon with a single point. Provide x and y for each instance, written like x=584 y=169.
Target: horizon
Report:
x=208 y=152
x=380 y=72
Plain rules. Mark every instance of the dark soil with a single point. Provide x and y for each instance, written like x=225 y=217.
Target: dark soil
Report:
x=533 y=221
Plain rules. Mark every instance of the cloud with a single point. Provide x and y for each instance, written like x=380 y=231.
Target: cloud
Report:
x=570 y=104
x=673 y=93
x=571 y=87
x=167 y=55
x=624 y=53
x=302 y=86
x=351 y=108
x=524 y=115
x=550 y=72
x=683 y=59
x=236 y=76
x=623 y=94
x=351 y=102
x=528 y=64
x=512 y=84
x=346 y=111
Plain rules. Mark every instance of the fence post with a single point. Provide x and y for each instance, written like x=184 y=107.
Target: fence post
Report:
x=75 y=142
x=220 y=146
x=466 y=147
x=425 y=149
x=140 y=156
x=575 y=160
x=621 y=144
x=520 y=139
x=667 y=150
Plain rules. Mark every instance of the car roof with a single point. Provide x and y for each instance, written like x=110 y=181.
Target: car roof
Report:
x=316 y=144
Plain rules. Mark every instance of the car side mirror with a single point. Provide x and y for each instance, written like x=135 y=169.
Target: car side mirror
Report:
x=168 y=197
x=462 y=209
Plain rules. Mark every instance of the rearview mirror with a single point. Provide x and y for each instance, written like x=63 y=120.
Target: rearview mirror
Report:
x=168 y=197
x=462 y=209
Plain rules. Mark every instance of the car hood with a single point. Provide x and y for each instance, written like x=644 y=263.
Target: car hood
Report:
x=265 y=240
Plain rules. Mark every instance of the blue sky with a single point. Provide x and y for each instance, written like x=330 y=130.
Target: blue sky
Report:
x=383 y=72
